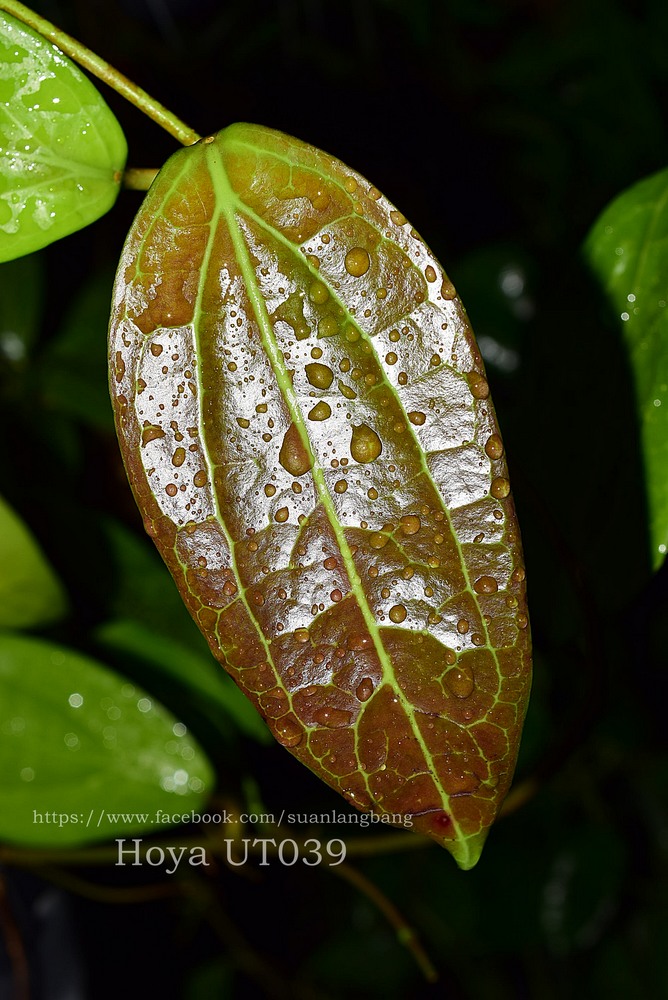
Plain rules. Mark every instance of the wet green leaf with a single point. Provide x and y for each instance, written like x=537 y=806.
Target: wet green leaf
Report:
x=82 y=749
x=30 y=593
x=62 y=152
x=307 y=428
x=628 y=251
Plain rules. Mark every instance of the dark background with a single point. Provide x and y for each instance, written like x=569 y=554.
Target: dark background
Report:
x=501 y=130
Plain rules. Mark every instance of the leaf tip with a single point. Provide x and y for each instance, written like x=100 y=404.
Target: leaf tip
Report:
x=465 y=848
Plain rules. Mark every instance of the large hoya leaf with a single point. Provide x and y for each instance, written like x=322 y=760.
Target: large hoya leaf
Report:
x=62 y=152
x=307 y=428
x=628 y=250
x=85 y=755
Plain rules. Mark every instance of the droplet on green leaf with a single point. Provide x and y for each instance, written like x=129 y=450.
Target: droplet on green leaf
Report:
x=628 y=251
x=85 y=745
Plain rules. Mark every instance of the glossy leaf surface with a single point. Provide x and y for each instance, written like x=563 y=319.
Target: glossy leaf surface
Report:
x=81 y=743
x=30 y=593
x=307 y=428
x=62 y=152
x=628 y=250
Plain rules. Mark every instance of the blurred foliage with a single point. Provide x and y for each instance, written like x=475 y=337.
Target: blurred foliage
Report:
x=502 y=130
x=30 y=593
x=63 y=152
x=628 y=251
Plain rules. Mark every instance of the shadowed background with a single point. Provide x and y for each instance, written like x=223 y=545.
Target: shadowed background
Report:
x=501 y=130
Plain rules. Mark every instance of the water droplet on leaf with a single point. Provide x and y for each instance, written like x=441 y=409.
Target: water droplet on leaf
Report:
x=397 y=614
x=500 y=488
x=318 y=293
x=494 y=446
x=459 y=681
x=364 y=689
x=151 y=433
x=365 y=445
x=320 y=376
x=321 y=411
x=332 y=718
x=410 y=524
x=293 y=456
x=478 y=385
x=357 y=262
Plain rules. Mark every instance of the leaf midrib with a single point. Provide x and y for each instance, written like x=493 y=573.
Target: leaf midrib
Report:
x=228 y=199
x=409 y=428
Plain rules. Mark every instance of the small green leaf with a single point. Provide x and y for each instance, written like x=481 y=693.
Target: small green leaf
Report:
x=628 y=251
x=62 y=152
x=84 y=754
x=30 y=593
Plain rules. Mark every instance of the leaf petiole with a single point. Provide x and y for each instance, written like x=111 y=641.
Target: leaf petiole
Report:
x=101 y=69
x=139 y=178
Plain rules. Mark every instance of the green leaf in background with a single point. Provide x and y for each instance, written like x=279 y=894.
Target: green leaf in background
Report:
x=62 y=152
x=30 y=593
x=73 y=368
x=82 y=743
x=628 y=251
x=21 y=294
x=142 y=589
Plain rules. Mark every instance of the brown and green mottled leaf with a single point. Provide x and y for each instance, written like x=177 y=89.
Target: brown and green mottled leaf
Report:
x=307 y=428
